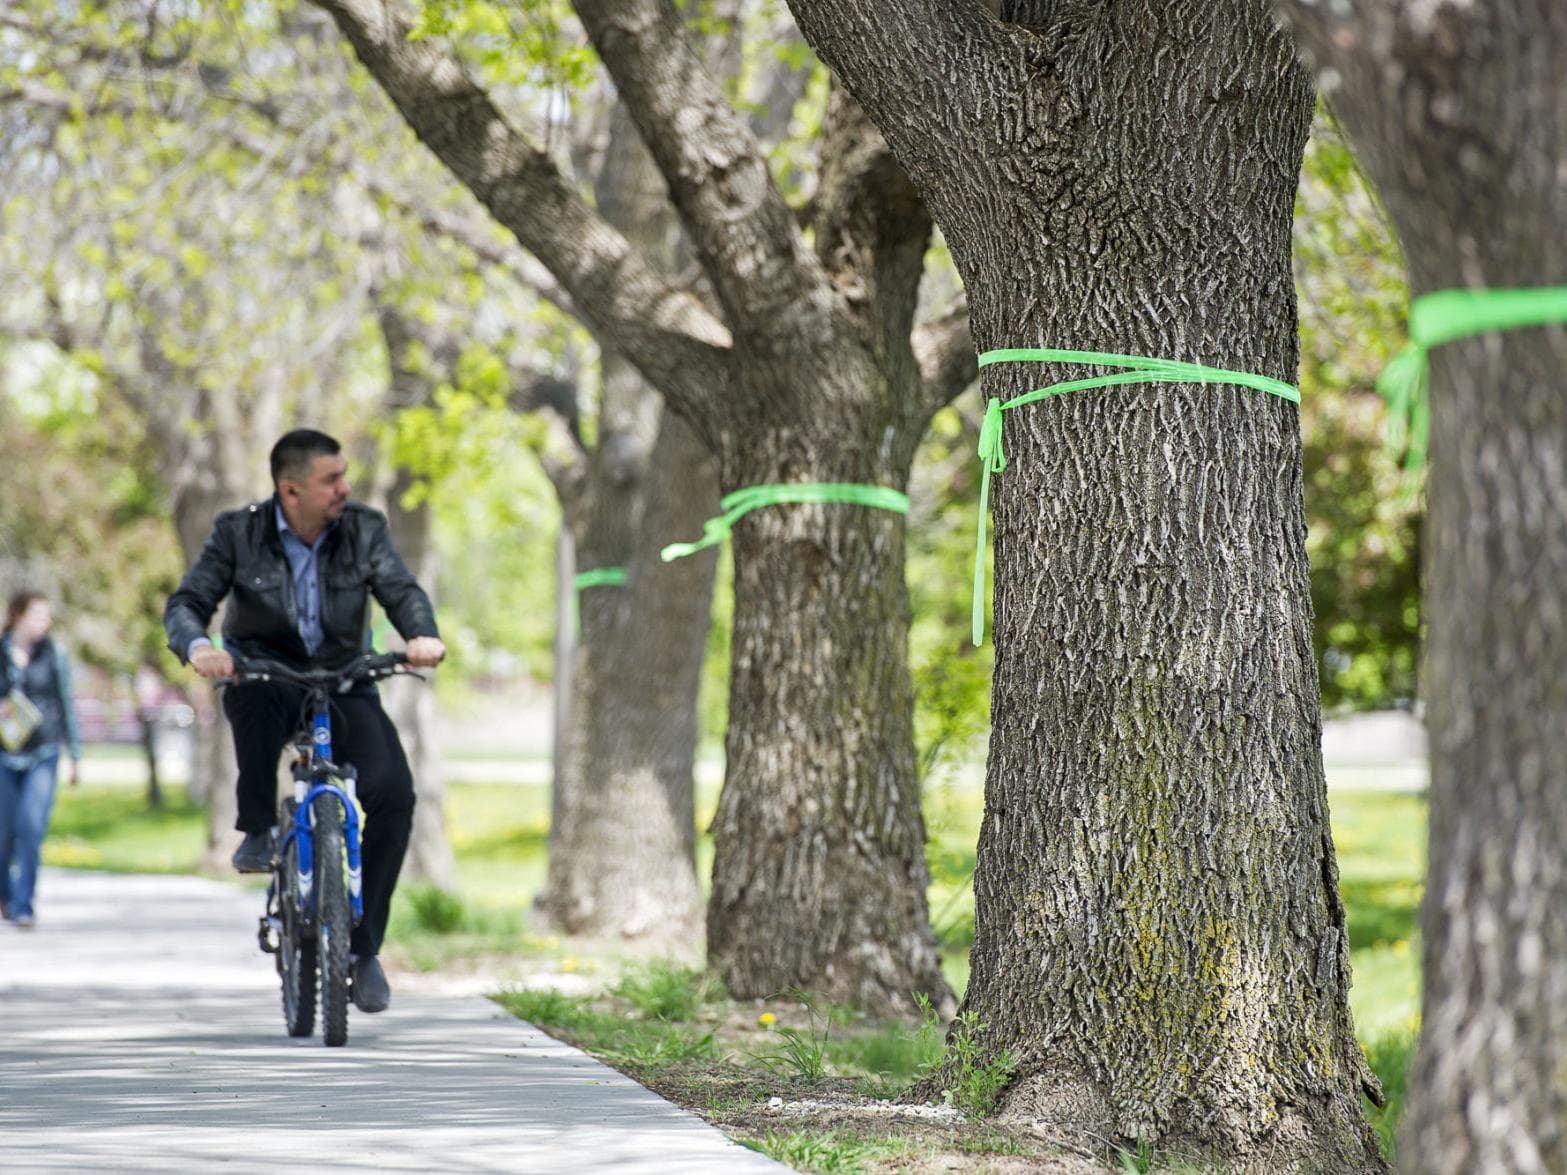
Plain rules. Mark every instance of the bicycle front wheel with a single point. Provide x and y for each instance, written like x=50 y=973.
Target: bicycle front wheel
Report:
x=334 y=920
x=296 y=956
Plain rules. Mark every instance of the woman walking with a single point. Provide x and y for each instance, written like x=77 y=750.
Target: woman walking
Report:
x=33 y=664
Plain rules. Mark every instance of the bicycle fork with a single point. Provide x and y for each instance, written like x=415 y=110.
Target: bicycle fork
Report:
x=270 y=932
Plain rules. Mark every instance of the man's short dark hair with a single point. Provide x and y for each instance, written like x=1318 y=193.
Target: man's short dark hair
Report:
x=292 y=455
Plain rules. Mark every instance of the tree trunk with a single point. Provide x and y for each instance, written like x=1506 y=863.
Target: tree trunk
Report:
x=1460 y=117
x=562 y=687
x=622 y=859
x=1159 y=936
x=819 y=872
x=214 y=770
x=622 y=844
x=411 y=706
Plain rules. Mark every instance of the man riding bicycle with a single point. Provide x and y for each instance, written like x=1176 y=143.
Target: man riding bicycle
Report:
x=299 y=570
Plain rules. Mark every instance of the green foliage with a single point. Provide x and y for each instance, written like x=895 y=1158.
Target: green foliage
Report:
x=435 y=910
x=666 y=990
x=951 y=677
x=537 y=45
x=647 y=1045
x=977 y=1077
x=496 y=524
x=1147 y=1158
x=1363 y=524
x=82 y=518
x=713 y=690
x=890 y=1053
x=432 y=440
x=113 y=828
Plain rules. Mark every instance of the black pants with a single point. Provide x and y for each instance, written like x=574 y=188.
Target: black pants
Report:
x=265 y=716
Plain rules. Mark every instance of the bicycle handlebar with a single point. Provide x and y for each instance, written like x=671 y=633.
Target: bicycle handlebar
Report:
x=366 y=667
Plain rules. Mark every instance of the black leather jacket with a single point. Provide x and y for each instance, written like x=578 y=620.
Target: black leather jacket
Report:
x=244 y=560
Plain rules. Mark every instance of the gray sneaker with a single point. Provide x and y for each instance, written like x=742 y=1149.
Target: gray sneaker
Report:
x=254 y=854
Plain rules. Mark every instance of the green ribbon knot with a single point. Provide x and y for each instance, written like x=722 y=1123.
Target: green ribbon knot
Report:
x=1136 y=369
x=991 y=451
x=1444 y=317
x=742 y=502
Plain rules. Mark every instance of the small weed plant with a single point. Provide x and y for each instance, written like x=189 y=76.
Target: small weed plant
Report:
x=1149 y=1160
x=803 y=1053
x=1389 y=1056
x=978 y=1079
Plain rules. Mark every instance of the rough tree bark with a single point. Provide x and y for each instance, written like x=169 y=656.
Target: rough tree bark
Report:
x=1159 y=934
x=411 y=703
x=1459 y=115
x=622 y=844
x=622 y=857
x=809 y=375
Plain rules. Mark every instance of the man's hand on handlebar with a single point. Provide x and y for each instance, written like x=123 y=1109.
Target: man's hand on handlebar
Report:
x=425 y=652
x=212 y=662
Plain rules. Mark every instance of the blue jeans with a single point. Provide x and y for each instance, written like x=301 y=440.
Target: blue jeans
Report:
x=26 y=798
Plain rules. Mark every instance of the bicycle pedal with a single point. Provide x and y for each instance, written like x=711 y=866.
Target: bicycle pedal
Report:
x=266 y=935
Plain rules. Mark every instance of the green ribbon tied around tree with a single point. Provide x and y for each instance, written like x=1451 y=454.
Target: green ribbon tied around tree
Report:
x=742 y=502
x=1444 y=317
x=1136 y=369
x=593 y=577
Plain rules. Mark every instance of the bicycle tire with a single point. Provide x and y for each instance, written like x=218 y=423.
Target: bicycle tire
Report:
x=334 y=920
x=296 y=957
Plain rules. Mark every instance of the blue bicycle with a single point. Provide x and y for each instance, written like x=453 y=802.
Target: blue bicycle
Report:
x=315 y=898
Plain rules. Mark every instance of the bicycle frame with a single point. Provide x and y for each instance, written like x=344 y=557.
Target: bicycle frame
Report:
x=316 y=774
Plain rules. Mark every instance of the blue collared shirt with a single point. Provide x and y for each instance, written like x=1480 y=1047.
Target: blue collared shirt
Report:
x=307 y=579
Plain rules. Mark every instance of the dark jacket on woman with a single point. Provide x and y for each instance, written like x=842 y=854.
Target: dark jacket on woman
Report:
x=46 y=681
x=244 y=560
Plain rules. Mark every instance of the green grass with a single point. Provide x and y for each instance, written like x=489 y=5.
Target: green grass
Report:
x=666 y=990
x=112 y=828
x=830 y=1153
x=629 y=1043
x=1390 y=1055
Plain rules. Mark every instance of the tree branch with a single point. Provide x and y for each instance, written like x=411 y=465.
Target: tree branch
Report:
x=944 y=350
x=718 y=176
x=463 y=231
x=871 y=225
x=668 y=335
x=562 y=454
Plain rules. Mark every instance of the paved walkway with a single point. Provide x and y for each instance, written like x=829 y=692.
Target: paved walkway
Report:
x=143 y=1033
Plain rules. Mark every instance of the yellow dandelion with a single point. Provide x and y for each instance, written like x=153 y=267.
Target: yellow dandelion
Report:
x=767 y=1019
x=568 y=964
